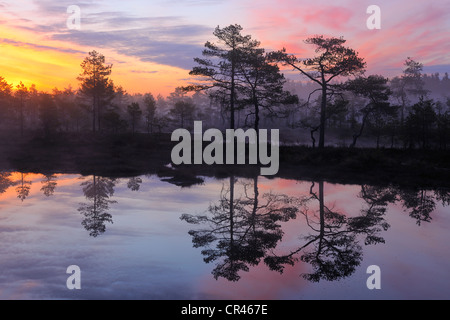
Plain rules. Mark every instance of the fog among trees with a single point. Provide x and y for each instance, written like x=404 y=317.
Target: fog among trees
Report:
x=238 y=84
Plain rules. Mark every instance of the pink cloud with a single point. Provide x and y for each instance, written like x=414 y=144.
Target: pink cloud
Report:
x=418 y=30
x=419 y=33
x=335 y=18
x=258 y=284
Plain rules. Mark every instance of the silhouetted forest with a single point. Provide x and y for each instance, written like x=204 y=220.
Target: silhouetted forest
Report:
x=238 y=84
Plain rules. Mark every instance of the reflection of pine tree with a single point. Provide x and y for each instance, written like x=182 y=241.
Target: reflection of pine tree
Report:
x=49 y=184
x=98 y=191
x=5 y=181
x=372 y=221
x=420 y=203
x=240 y=229
x=24 y=187
x=333 y=248
x=335 y=253
x=134 y=184
x=443 y=195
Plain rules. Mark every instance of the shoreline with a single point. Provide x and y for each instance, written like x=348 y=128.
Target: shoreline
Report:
x=133 y=155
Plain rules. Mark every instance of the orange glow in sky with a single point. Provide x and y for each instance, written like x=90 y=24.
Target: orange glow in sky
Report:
x=152 y=44
x=47 y=66
x=21 y=61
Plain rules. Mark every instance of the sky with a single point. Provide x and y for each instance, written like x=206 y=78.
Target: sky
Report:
x=152 y=44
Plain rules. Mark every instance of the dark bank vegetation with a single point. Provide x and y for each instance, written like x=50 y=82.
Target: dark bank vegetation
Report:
x=338 y=124
x=139 y=154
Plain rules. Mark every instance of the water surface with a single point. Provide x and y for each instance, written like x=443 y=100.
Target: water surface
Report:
x=235 y=238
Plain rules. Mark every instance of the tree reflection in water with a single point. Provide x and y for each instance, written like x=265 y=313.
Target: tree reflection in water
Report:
x=333 y=248
x=240 y=229
x=5 y=181
x=134 y=183
x=96 y=212
x=23 y=187
x=419 y=203
x=243 y=228
x=49 y=184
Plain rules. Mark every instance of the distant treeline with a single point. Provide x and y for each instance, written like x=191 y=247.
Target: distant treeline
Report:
x=242 y=86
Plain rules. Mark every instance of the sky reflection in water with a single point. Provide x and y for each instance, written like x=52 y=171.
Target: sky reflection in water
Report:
x=133 y=239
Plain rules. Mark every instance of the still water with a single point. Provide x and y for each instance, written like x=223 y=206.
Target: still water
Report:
x=236 y=238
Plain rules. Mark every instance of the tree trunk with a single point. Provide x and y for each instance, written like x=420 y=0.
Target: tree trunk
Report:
x=21 y=119
x=257 y=119
x=94 y=119
x=356 y=136
x=255 y=204
x=233 y=89
x=314 y=130
x=232 y=211
x=323 y=117
x=424 y=134
x=322 y=216
x=99 y=115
